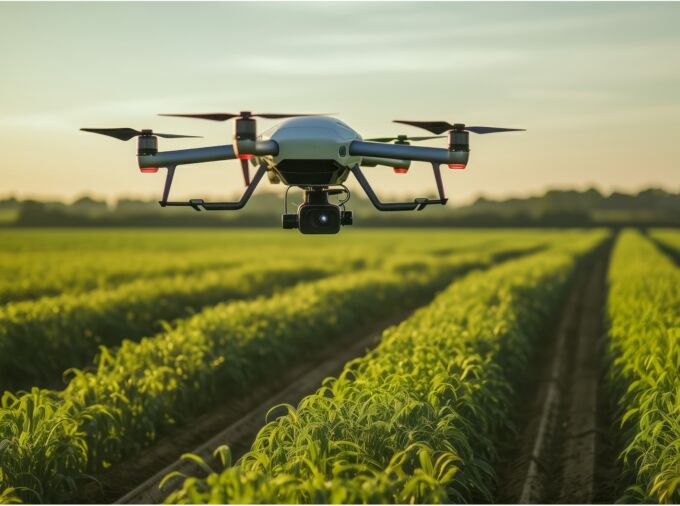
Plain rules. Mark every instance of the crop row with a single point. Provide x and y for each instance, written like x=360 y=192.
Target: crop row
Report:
x=33 y=275
x=418 y=418
x=40 y=339
x=52 y=439
x=185 y=241
x=643 y=310
x=36 y=275
x=53 y=267
x=669 y=241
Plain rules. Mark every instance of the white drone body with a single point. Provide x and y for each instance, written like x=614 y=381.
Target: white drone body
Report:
x=313 y=152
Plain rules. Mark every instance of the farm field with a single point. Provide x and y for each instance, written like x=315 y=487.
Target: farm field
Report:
x=255 y=366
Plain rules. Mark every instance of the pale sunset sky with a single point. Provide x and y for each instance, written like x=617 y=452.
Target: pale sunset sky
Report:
x=597 y=86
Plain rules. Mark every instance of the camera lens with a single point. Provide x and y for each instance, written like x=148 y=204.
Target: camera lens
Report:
x=319 y=218
x=322 y=219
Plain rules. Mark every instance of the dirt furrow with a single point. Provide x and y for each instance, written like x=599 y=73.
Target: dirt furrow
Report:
x=555 y=457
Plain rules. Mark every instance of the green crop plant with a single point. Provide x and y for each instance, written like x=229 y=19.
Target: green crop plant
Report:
x=129 y=394
x=67 y=330
x=669 y=241
x=418 y=418
x=134 y=392
x=644 y=348
x=32 y=275
x=36 y=264
x=9 y=496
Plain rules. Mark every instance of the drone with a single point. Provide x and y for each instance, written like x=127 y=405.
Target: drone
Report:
x=313 y=152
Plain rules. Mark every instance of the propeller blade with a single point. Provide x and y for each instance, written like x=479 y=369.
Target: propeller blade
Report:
x=281 y=116
x=425 y=138
x=436 y=127
x=224 y=116
x=125 y=134
x=246 y=171
x=405 y=138
x=175 y=136
x=439 y=127
x=491 y=130
x=382 y=139
x=212 y=116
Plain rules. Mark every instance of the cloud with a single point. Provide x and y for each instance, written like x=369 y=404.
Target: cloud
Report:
x=369 y=61
x=126 y=112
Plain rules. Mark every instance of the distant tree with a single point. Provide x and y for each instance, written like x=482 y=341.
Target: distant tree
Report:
x=127 y=206
x=9 y=203
x=88 y=202
x=651 y=207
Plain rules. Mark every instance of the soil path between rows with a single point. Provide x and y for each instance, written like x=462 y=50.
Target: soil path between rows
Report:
x=563 y=441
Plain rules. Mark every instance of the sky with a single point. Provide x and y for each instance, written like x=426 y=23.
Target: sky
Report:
x=596 y=85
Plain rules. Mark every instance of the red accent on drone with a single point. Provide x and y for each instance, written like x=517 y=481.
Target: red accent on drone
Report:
x=148 y=170
x=400 y=170
x=245 y=157
x=456 y=166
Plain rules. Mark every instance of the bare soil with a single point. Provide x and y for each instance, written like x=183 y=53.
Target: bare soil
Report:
x=562 y=451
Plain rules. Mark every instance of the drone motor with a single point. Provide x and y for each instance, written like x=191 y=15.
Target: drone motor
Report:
x=147 y=143
x=459 y=140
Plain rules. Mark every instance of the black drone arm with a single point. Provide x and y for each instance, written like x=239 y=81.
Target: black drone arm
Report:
x=417 y=204
x=172 y=159
x=197 y=204
x=377 y=152
x=201 y=155
x=407 y=152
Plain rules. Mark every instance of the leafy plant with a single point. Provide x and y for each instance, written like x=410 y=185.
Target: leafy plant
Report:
x=130 y=393
x=416 y=419
x=68 y=329
x=137 y=390
x=644 y=348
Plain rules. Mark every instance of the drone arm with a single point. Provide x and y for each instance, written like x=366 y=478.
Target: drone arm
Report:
x=187 y=156
x=201 y=155
x=371 y=161
x=418 y=203
x=197 y=204
x=407 y=152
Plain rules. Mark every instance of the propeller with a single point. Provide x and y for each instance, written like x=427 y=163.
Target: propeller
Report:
x=224 y=116
x=125 y=134
x=403 y=139
x=439 y=127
